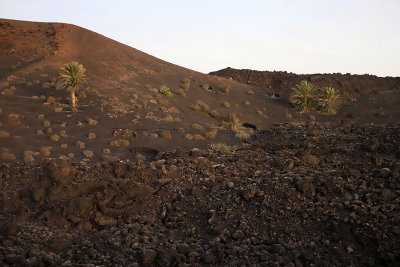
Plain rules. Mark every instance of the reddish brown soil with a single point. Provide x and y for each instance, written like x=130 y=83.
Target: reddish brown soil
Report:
x=301 y=195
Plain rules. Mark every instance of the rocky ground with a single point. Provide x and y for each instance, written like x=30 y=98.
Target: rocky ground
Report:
x=296 y=195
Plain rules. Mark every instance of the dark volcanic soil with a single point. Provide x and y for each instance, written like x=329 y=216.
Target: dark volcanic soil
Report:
x=300 y=195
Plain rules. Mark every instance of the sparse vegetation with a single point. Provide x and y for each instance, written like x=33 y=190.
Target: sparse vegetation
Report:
x=46 y=123
x=7 y=156
x=88 y=153
x=180 y=92
x=198 y=127
x=120 y=143
x=165 y=134
x=198 y=137
x=91 y=122
x=212 y=133
x=181 y=130
x=242 y=136
x=91 y=135
x=250 y=92
x=45 y=151
x=164 y=90
x=226 y=88
x=39 y=132
x=4 y=134
x=304 y=96
x=71 y=76
x=328 y=100
x=205 y=86
x=80 y=144
x=185 y=84
x=189 y=136
x=54 y=138
x=226 y=104
x=222 y=147
x=202 y=107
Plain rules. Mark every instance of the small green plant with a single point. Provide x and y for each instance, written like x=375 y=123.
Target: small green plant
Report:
x=304 y=96
x=165 y=91
x=242 y=136
x=222 y=147
x=328 y=100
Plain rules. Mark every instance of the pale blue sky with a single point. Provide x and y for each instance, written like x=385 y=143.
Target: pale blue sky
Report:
x=302 y=36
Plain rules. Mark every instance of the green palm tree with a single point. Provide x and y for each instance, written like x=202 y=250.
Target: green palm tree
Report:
x=71 y=76
x=328 y=100
x=304 y=96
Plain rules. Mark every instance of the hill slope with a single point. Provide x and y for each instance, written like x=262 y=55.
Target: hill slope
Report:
x=122 y=92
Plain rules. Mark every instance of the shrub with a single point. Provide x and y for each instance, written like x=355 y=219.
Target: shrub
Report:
x=202 y=107
x=4 y=134
x=45 y=151
x=242 y=136
x=197 y=126
x=120 y=143
x=7 y=92
x=250 y=92
x=328 y=100
x=211 y=134
x=222 y=147
x=198 y=137
x=55 y=138
x=6 y=156
x=91 y=135
x=181 y=130
x=80 y=144
x=185 y=84
x=165 y=134
x=180 y=92
x=226 y=104
x=189 y=136
x=91 y=122
x=88 y=153
x=205 y=86
x=165 y=91
x=63 y=133
x=225 y=88
x=46 y=123
x=39 y=132
x=303 y=96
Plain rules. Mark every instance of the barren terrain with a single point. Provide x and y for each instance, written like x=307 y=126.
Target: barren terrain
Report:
x=138 y=177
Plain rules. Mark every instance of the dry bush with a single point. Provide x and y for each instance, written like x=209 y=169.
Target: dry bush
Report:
x=120 y=143
x=1 y=110
x=150 y=88
x=181 y=130
x=189 y=136
x=91 y=135
x=71 y=155
x=154 y=135
x=51 y=100
x=29 y=158
x=63 y=133
x=36 y=82
x=259 y=112
x=63 y=145
x=250 y=92
x=246 y=103
x=7 y=156
x=180 y=92
x=214 y=114
x=39 y=132
x=205 y=86
x=91 y=122
x=4 y=134
x=43 y=97
x=185 y=84
x=46 y=123
x=242 y=136
x=197 y=126
x=80 y=144
x=171 y=110
x=46 y=85
x=198 y=137
x=54 y=138
x=222 y=147
x=28 y=84
x=29 y=152
x=49 y=130
x=58 y=109
x=40 y=116
x=226 y=104
x=165 y=134
x=202 y=107
x=211 y=134
x=106 y=151
x=108 y=158
x=88 y=153
x=45 y=151
x=7 y=92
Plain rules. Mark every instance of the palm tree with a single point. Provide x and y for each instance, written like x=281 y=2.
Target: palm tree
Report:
x=71 y=76
x=328 y=99
x=303 y=96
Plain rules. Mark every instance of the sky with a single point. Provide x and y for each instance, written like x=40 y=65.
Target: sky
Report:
x=301 y=36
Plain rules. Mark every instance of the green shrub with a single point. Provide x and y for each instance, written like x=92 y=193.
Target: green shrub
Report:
x=304 y=96
x=222 y=147
x=165 y=91
x=328 y=100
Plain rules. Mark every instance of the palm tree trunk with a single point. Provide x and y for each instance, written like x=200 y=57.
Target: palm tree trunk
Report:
x=73 y=98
